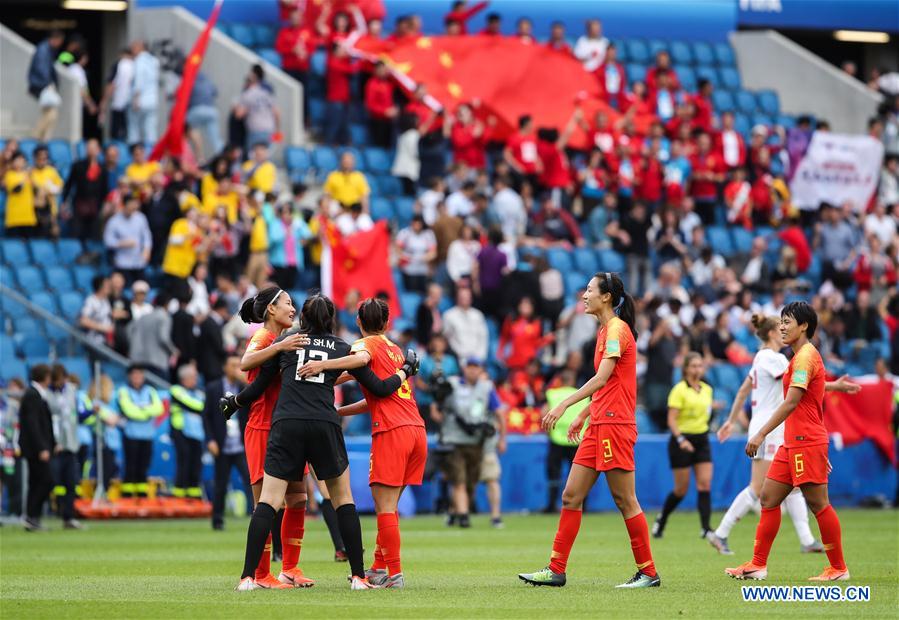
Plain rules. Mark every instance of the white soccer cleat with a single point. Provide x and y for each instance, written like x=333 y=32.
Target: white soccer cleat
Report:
x=246 y=584
x=362 y=584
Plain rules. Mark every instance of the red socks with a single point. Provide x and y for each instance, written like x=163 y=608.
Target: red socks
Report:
x=389 y=542
x=831 y=536
x=265 y=560
x=639 y=533
x=292 y=531
x=765 y=534
x=569 y=524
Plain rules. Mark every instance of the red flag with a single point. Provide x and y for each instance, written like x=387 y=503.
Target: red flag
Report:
x=359 y=261
x=510 y=78
x=172 y=141
x=866 y=415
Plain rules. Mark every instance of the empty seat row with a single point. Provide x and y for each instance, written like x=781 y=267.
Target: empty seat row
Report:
x=17 y=252
x=681 y=52
x=325 y=158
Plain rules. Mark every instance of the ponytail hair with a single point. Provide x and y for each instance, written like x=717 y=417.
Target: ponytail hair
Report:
x=373 y=315
x=622 y=302
x=318 y=315
x=254 y=309
x=764 y=325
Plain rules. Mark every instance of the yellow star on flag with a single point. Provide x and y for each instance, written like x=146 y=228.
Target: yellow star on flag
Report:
x=423 y=43
x=446 y=60
x=454 y=89
x=404 y=67
x=195 y=59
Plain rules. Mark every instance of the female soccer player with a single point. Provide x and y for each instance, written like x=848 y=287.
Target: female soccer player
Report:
x=764 y=384
x=802 y=459
x=608 y=443
x=689 y=409
x=274 y=309
x=306 y=429
x=399 y=445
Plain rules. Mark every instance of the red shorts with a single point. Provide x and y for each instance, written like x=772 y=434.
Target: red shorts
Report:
x=607 y=446
x=398 y=456
x=798 y=466
x=255 y=441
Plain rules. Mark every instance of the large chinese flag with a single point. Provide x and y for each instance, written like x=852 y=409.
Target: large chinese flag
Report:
x=172 y=141
x=866 y=415
x=359 y=261
x=509 y=78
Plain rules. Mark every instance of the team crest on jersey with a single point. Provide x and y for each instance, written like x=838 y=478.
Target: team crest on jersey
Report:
x=612 y=346
x=800 y=376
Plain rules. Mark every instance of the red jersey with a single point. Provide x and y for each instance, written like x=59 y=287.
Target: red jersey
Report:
x=378 y=97
x=702 y=119
x=464 y=14
x=805 y=425
x=423 y=112
x=398 y=409
x=262 y=407
x=337 y=75
x=616 y=402
x=526 y=338
x=524 y=151
x=289 y=38
x=710 y=162
x=555 y=165
x=467 y=147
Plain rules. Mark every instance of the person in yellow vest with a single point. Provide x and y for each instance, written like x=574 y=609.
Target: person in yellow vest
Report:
x=47 y=186
x=259 y=174
x=258 y=265
x=185 y=237
x=561 y=449
x=21 y=217
x=225 y=195
x=186 y=420
x=139 y=171
x=140 y=404
x=347 y=185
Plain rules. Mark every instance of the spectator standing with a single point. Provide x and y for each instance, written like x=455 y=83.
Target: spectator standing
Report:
x=347 y=185
x=143 y=120
x=521 y=337
x=139 y=307
x=460 y=14
x=140 y=404
x=406 y=163
x=591 y=47
x=89 y=108
x=187 y=404
x=48 y=185
x=707 y=173
x=881 y=224
x=211 y=353
x=42 y=83
x=465 y=327
x=492 y=266
x=120 y=312
x=462 y=255
x=288 y=235
x=631 y=238
x=382 y=111
x=259 y=174
x=296 y=44
x=561 y=449
x=21 y=217
x=256 y=106
x=64 y=464
x=521 y=153
x=660 y=353
x=836 y=245
x=117 y=95
x=428 y=320
x=11 y=472
x=338 y=71
x=37 y=442
x=150 y=338
x=468 y=138
x=86 y=188
x=203 y=115
x=417 y=248
x=224 y=439
x=127 y=236
x=162 y=210
x=184 y=241
x=507 y=209
x=491 y=470
x=612 y=78
x=557 y=40
x=96 y=314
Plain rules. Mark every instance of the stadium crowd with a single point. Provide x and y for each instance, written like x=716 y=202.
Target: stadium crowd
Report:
x=503 y=238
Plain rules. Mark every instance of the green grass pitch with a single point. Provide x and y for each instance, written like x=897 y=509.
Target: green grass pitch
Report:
x=182 y=569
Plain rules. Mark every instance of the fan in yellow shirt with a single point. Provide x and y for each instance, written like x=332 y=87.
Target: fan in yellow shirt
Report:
x=47 y=187
x=224 y=196
x=140 y=170
x=259 y=174
x=347 y=185
x=181 y=251
x=21 y=219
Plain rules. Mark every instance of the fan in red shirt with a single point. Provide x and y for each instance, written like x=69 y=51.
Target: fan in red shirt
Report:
x=707 y=174
x=557 y=39
x=556 y=171
x=612 y=79
x=608 y=443
x=296 y=44
x=602 y=135
x=399 y=446
x=638 y=100
x=524 y=31
x=338 y=71
x=649 y=177
x=802 y=459
x=382 y=111
x=523 y=336
x=702 y=106
x=663 y=65
x=274 y=309
x=494 y=26
x=794 y=236
x=429 y=120
x=468 y=137
x=461 y=13
x=730 y=144
x=521 y=152
x=738 y=199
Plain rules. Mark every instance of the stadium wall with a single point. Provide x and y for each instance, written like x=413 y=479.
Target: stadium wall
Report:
x=19 y=111
x=226 y=63
x=804 y=82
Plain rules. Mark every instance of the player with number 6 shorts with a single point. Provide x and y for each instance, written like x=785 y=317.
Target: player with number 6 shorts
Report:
x=802 y=459
x=399 y=446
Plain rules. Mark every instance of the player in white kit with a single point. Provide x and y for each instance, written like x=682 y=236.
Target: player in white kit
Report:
x=766 y=388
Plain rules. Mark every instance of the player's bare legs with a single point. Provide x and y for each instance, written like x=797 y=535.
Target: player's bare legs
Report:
x=623 y=489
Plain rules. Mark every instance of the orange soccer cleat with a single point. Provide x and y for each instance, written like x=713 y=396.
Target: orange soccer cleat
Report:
x=269 y=582
x=832 y=574
x=748 y=570
x=294 y=577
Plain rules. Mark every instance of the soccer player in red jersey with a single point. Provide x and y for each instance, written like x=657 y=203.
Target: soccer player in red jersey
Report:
x=399 y=445
x=274 y=309
x=608 y=442
x=802 y=459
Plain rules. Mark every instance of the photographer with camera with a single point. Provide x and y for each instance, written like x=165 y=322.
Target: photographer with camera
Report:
x=468 y=419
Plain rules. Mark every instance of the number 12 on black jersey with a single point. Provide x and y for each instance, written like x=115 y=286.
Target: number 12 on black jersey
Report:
x=314 y=356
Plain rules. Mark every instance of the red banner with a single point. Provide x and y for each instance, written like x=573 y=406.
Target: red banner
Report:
x=172 y=141
x=866 y=415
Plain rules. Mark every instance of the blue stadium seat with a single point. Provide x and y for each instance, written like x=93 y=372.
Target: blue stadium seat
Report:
x=318 y=62
x=381 y=209
x=560 y=259
x=45 y=300
x=404 y=208
x=60 y=154
x=357 y=155
x=686 y=76
x=224 y=27
x=8 y=350
x=656 y=46
x=703 y=54
x=32 y=347
x=324 y=158
x=742 y=123
x=374 y=184
x=769 y=102
x=574 y=281
x=389 y=185
x=43 y=252
x=79 y=367
x=296 y=158
x=724 y=54
x=70 y=302
x=620 y=44
x=681 y=53
x=7 y=278
x=59 y=278
x=730 y=78
x=13 y=369
x=12 y=307
x=409 y=303
x=68 y=250
x=83 y=276
x=270 y=56
x=27 y=326
x=727 y=374
x=377 y=160
x=263 y=35
x=723 y=101
x=719 y=240
x=28 y=277
x=15 y=252
x=358 y=134
x=316 y=110
x=762 y=119
x=742 y=240
x=638 y=51
x=708 y=73
x=243 y=34
x=746 y=102
x=27 y=147
x=611 y=261
x=786 y=121
x=586 y=261
x=635 y=72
